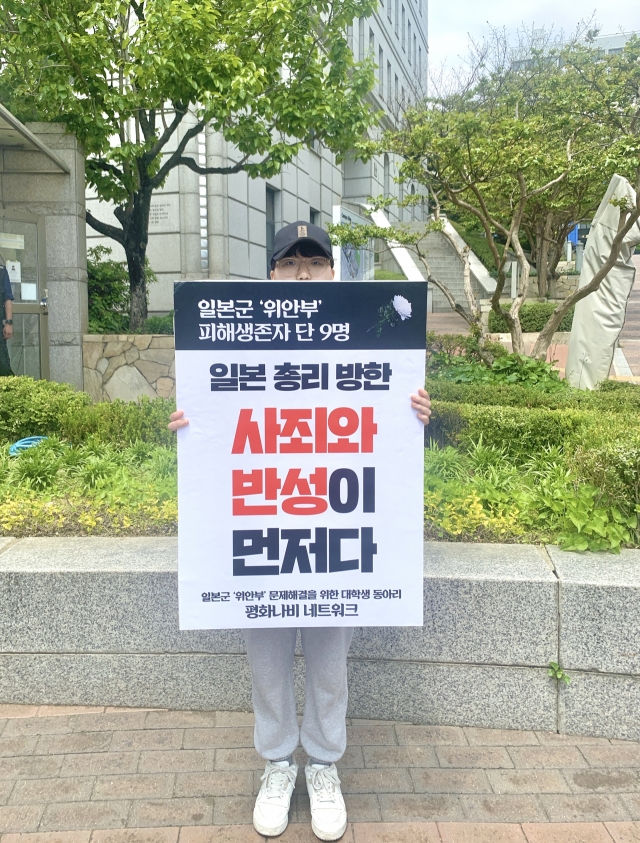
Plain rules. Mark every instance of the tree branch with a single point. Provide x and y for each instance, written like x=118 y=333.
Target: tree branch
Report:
x=205 y=171
x=546 y=187
x=168 y=132
x=174 y=158
x=105 y=166
x=104 y=228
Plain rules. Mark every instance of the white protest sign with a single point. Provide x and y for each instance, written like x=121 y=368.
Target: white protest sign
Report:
x=300 y=475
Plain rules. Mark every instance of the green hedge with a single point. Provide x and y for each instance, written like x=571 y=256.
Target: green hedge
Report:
x=388 y=275
x=533 y=317
x=611 y=397
x=121 y=422
x=43 y=408
x=521 y=432
x=35 y=408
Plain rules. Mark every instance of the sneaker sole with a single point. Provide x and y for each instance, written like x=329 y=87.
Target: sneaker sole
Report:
x=328 y=835
x=273 y=832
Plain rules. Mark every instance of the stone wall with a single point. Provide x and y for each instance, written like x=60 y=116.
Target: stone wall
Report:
x=94 y=621
x=126 y=367
x=564 y=286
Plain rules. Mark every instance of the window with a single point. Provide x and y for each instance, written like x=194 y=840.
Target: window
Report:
x=420 y=6
x=314 y=216
x=409 y=43
x=380 y=72
x=389 y=83
x=400 y=201
x=386 y=183
x=404 y=29
x=413 y=207
x=361 y=39
x=350 y=37
x=389 y=9
x=397 y=16
x=372 y=43
x=396 y=100
x=271 y=225
x=420 y=64
x=414 y=48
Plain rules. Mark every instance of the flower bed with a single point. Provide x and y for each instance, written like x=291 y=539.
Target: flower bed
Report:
x=506 y=462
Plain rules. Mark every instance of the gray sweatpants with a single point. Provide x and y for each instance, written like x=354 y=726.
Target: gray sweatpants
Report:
x=277 y=734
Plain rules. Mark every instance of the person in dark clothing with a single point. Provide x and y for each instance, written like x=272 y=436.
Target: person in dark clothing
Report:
x=6 y=314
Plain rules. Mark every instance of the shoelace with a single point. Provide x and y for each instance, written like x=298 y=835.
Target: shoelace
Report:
x=277 y=780
x=324 y=783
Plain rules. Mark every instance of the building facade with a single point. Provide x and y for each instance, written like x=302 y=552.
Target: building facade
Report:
x=223 y=226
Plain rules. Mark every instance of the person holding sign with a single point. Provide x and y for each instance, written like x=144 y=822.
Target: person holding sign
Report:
x=302 y=252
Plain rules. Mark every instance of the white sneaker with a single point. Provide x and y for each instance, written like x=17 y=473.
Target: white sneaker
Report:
x=328 y=811
x=271 y=812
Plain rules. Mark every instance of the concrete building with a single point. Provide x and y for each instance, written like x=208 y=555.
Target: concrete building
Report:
x=613 y=43
x=42 y=243
x=223 y=226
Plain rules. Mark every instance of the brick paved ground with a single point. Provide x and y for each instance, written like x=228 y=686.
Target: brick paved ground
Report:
x=630 y=335
x=73 y=775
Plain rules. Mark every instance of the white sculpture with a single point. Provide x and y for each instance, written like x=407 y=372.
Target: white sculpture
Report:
x=599 y=317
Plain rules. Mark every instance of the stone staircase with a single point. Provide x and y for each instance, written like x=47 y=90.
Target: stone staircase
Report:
x=446 y=266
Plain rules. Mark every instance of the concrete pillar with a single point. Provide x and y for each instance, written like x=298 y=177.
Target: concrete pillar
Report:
x=60 y=197
x=579 y=256
x=217 y=207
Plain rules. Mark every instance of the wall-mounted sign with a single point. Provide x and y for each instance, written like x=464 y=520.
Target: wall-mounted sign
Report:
x=14 y=269
x=164 y=215
x=11 y=241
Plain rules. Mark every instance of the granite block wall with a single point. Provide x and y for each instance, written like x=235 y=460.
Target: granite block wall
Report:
x=126 y=367
x=94 y=621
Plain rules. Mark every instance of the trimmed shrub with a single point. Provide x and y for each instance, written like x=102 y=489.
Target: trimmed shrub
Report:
x=35 y=408
x=159 y=324
x=461 y=344
x=387 y=275
x=533 y=318
x=121 y=423
x=604 y=399
x=612 y=465
x=43 y=408
x=520 y=432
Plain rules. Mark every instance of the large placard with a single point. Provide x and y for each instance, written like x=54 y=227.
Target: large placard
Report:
x=300 y=475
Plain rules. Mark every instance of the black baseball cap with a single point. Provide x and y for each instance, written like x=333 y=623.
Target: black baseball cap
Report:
x=300 y=232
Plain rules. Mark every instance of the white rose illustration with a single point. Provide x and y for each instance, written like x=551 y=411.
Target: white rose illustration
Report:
x=402 y=307
x=388 y=314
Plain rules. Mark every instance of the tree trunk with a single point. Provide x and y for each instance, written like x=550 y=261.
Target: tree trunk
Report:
x=543 y=259
x=513 y=319
x=555 y=254
x=136 y=230
x=138 y=288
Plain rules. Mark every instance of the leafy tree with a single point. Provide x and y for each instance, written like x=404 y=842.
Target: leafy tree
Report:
x=108 y=293
x=523 y=152
x=137 y=80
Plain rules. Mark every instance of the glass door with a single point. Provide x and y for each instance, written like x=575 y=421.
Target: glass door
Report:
x=22 y=247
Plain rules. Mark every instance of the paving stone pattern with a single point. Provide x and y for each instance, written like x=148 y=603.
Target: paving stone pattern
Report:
x=102 y=775
x=630 y=334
